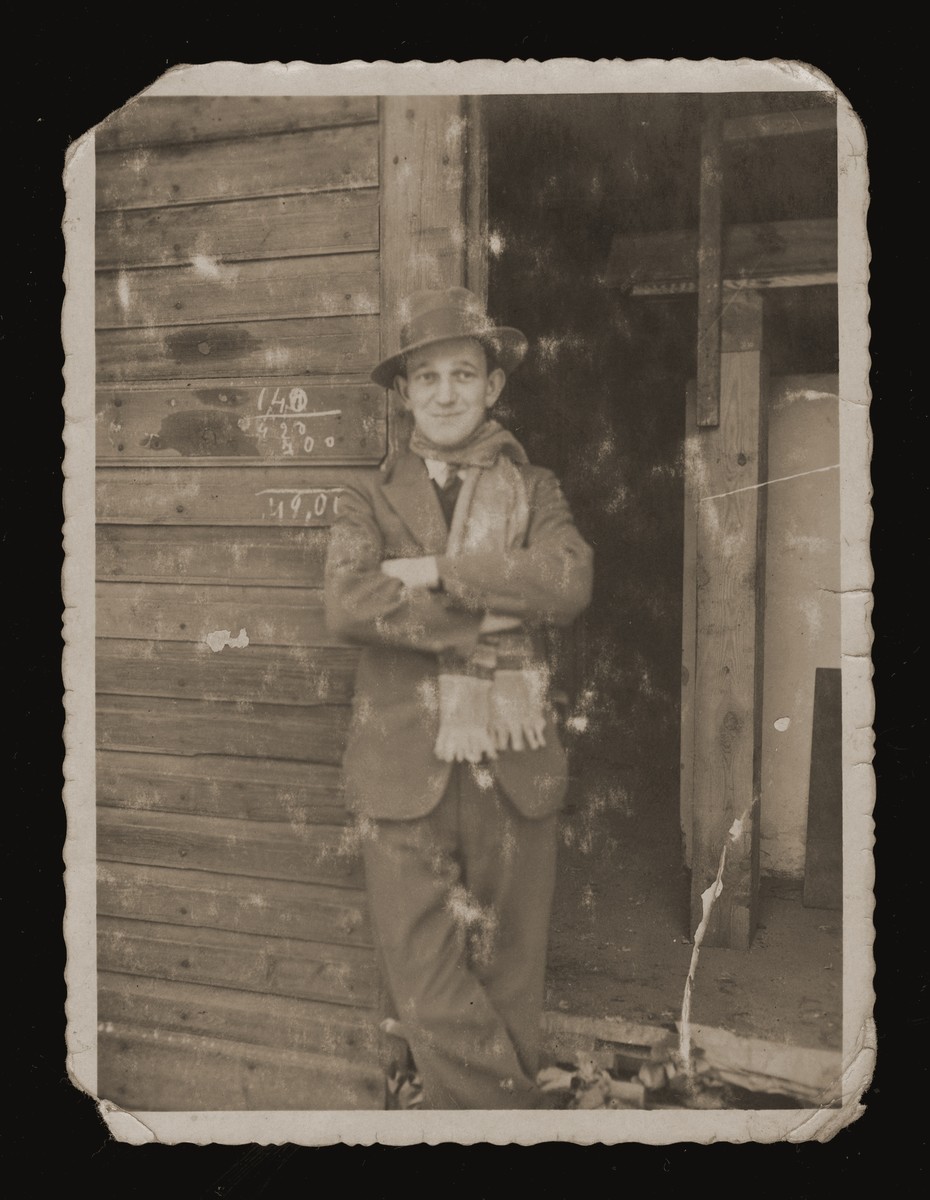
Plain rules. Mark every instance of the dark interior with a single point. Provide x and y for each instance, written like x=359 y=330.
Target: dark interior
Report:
x=600 y=400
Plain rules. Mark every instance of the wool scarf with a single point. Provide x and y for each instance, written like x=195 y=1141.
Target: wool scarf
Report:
x=496 y=698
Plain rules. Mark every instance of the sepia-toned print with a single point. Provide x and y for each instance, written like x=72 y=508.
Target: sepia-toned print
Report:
x=476 y=640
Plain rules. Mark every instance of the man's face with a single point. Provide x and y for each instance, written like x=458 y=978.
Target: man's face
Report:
x=449 y=389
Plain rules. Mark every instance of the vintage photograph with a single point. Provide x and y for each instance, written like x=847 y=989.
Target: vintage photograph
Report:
x=469 y=659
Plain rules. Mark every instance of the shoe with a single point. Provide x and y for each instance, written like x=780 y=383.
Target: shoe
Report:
x=404 y=1088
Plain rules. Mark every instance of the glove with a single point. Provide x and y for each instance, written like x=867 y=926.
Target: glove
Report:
x=464 y=719
x=518 y=712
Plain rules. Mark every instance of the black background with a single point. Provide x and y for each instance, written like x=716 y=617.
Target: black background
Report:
x=65 y=73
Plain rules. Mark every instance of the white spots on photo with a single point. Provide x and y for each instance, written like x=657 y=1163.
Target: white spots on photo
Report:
x=428 y=695
x=138 y=161
x=238 y=551
x=457 y=234
x=497 y=244
x=207 y=266
x=403 y=310
x=348 y=844
x=483 y=777
x=276 y=357
x=806 y=543
x=618 y=499
x=322 y=682
x=551 y=346
x=782 y=724
x=646 y=688
x=220 y=638
x=608 y=794
x=509 y=845
x=123 y=292
x=581 y=718
x=295 y=808
x=791 y=396
x=812 y=612
x=605 y=450
x=479 y=922
x=454 y=132
x=364 y=830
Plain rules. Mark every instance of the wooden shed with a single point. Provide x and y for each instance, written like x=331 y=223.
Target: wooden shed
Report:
x=250 y=253
x=246 y=248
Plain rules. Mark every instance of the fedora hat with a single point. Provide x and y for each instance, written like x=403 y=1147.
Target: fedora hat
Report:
x=437 y=316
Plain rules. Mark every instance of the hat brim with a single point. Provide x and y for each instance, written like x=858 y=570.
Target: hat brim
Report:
x=507 y=345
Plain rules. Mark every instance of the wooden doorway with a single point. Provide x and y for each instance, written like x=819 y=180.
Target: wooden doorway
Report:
x=602 y=400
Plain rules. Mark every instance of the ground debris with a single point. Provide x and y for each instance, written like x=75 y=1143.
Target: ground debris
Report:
x=586 y=1085
x=653 y=1083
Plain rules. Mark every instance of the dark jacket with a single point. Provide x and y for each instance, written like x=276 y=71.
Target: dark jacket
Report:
x=390 y=768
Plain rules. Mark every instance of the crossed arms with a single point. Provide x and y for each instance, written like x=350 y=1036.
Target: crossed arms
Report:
x=445 y=603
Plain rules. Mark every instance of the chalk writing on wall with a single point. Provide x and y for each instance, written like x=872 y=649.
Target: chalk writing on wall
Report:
x=273 y=422
x=284 y=416
x=302 y=506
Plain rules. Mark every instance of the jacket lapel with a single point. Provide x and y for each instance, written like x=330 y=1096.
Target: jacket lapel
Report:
x=414 y=499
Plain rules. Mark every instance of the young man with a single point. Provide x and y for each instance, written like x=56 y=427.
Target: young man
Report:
x=447 y=566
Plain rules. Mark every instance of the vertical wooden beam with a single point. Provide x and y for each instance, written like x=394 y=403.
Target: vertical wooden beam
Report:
x=692 y=451
x=423 y=245
x=423 y=238
x=476 y=198
x=728 y=685
x=710 y=256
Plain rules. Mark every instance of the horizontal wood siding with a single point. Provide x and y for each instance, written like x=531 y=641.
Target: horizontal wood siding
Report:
x=282 y=555
x=265 y=850
x=303 y=1025
x=238 y=230
x=277 y=674
x=312 y=349
x=313 y=160
x=241 y=788
x=220 y=958
x=238 y=315
x=156 y=120
x=290 y=421
x=276 y=494
x=152 y=723
x=330 y=285
x=157 y=1070
x=180 y=612
x=240 y=904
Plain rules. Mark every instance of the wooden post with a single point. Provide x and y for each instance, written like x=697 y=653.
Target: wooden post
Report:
x=710 y=254
x=692 y=445
x=476 y=198
x=423 y=234
x=730 y=466
x=424 y=244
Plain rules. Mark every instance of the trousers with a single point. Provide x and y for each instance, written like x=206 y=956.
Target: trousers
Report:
x=460 y=902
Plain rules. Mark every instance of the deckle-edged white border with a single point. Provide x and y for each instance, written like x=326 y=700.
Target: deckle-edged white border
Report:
x=406 y=1128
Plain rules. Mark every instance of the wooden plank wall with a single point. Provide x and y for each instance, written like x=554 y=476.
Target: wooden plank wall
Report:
x=238 y=314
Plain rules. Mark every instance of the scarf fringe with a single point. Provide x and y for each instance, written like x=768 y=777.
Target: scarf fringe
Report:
x=483 y=709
